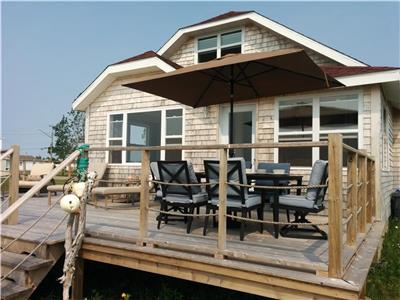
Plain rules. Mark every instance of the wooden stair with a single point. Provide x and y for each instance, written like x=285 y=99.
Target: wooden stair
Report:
x=26 y=278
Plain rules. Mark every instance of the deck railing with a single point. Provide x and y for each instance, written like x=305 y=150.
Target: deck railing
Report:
x=360 y=190
x=13 y=180
x=356 y=219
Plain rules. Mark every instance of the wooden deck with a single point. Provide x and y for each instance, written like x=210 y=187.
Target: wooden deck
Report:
x=278 y=268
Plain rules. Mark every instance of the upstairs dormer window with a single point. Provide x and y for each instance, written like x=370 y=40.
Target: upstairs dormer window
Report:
x=215 y=46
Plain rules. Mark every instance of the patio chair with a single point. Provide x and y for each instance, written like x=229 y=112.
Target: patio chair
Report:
x=114 y=188
x=179 y=197
x=271 y=168
x=311 y=202
x=155 y=175
x=238 y=197
x=38 y=171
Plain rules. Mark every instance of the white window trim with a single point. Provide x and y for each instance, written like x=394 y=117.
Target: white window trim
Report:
x=386 y=165
x=316 y=132
x=240 y=107
x=124 y=131
x=218 y=48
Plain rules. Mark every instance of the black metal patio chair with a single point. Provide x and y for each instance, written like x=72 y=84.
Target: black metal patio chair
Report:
x=180 y=197
x=238 y=197
x=311 y=202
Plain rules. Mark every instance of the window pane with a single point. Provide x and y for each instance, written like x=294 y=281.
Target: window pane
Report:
x=143 y=129
x=230 y=50
x=295 y=116
x=115 y=157
x=206 y=43
x=231 y=38
x=207 y=55
x=173 y=141
x=350 y=139
x=116 y=126
x=339 y=112
x=301 y=157
x=174 y=122
x=173 y=154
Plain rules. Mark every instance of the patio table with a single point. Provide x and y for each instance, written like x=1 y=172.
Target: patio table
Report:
x=276 y=179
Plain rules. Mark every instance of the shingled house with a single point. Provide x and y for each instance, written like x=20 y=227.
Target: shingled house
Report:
x=366 y=110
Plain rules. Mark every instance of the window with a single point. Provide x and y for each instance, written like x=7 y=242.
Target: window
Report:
x=115 y=138
x=211 y=47
x=295 y=125
x=145 y=128
x=312 y=119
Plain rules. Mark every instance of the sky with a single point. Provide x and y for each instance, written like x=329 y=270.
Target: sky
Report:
x=51 y=51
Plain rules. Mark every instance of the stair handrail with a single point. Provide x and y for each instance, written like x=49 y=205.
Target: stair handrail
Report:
x=3 y=277
x=7 y=153
x=37 y=187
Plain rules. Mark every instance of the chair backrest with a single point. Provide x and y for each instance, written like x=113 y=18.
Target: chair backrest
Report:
x=318 y=176
x=270 y=167
x=40 y=169
x=98 y=167
x=236 y=172
x=154 y=170
x=177 y=172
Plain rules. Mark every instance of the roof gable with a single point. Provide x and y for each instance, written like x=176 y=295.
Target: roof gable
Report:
x=148 y=54
x=236 y=18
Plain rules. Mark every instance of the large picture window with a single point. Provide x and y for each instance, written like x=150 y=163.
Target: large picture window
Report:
x=145 y=128
x=312 y=119
x=215 y=46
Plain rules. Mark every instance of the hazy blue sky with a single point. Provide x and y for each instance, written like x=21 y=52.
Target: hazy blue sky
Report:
x=52 y=51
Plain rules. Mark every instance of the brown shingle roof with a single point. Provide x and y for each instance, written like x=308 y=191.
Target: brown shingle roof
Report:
x=227 y=15
x=339 y=71
x=148 y=54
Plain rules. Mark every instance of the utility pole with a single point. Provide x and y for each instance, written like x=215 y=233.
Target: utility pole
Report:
x=51 y=136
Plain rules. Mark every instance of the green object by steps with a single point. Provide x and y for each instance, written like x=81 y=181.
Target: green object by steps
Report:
x=82 y=162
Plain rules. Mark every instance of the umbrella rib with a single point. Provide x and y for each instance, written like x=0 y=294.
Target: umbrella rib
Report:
x=240 y=73
x=205 y=90
x=260 y=73
x=214 y=77
x=291 y=71
x=248 y=80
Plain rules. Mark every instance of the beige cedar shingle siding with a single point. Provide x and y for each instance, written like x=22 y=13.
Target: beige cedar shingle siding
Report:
x=388 y=173
x=258 y=39
x=396 y=147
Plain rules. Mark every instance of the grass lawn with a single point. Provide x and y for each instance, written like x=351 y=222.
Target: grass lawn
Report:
x=383 y=281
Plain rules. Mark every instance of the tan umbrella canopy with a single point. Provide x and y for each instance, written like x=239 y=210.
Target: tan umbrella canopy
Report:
x=236 y=77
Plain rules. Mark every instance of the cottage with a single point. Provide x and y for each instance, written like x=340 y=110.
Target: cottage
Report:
x=315 y=128
x=366 y=110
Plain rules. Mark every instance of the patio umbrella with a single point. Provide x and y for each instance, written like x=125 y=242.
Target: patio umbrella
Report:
x=236 y=77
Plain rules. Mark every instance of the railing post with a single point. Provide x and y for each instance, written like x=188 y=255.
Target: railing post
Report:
x=144 y=197
x=13 y=183
x=372 y=194
x=222 y=202
x=352 y=197
x=335 y=164
x=369 y=192
x=362 y=193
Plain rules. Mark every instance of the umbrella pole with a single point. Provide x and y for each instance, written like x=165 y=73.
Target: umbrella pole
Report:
x=231 y=96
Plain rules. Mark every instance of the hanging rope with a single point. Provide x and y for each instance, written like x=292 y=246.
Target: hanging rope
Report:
x=181 y=184
x=34 y=249
x=181 y=214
